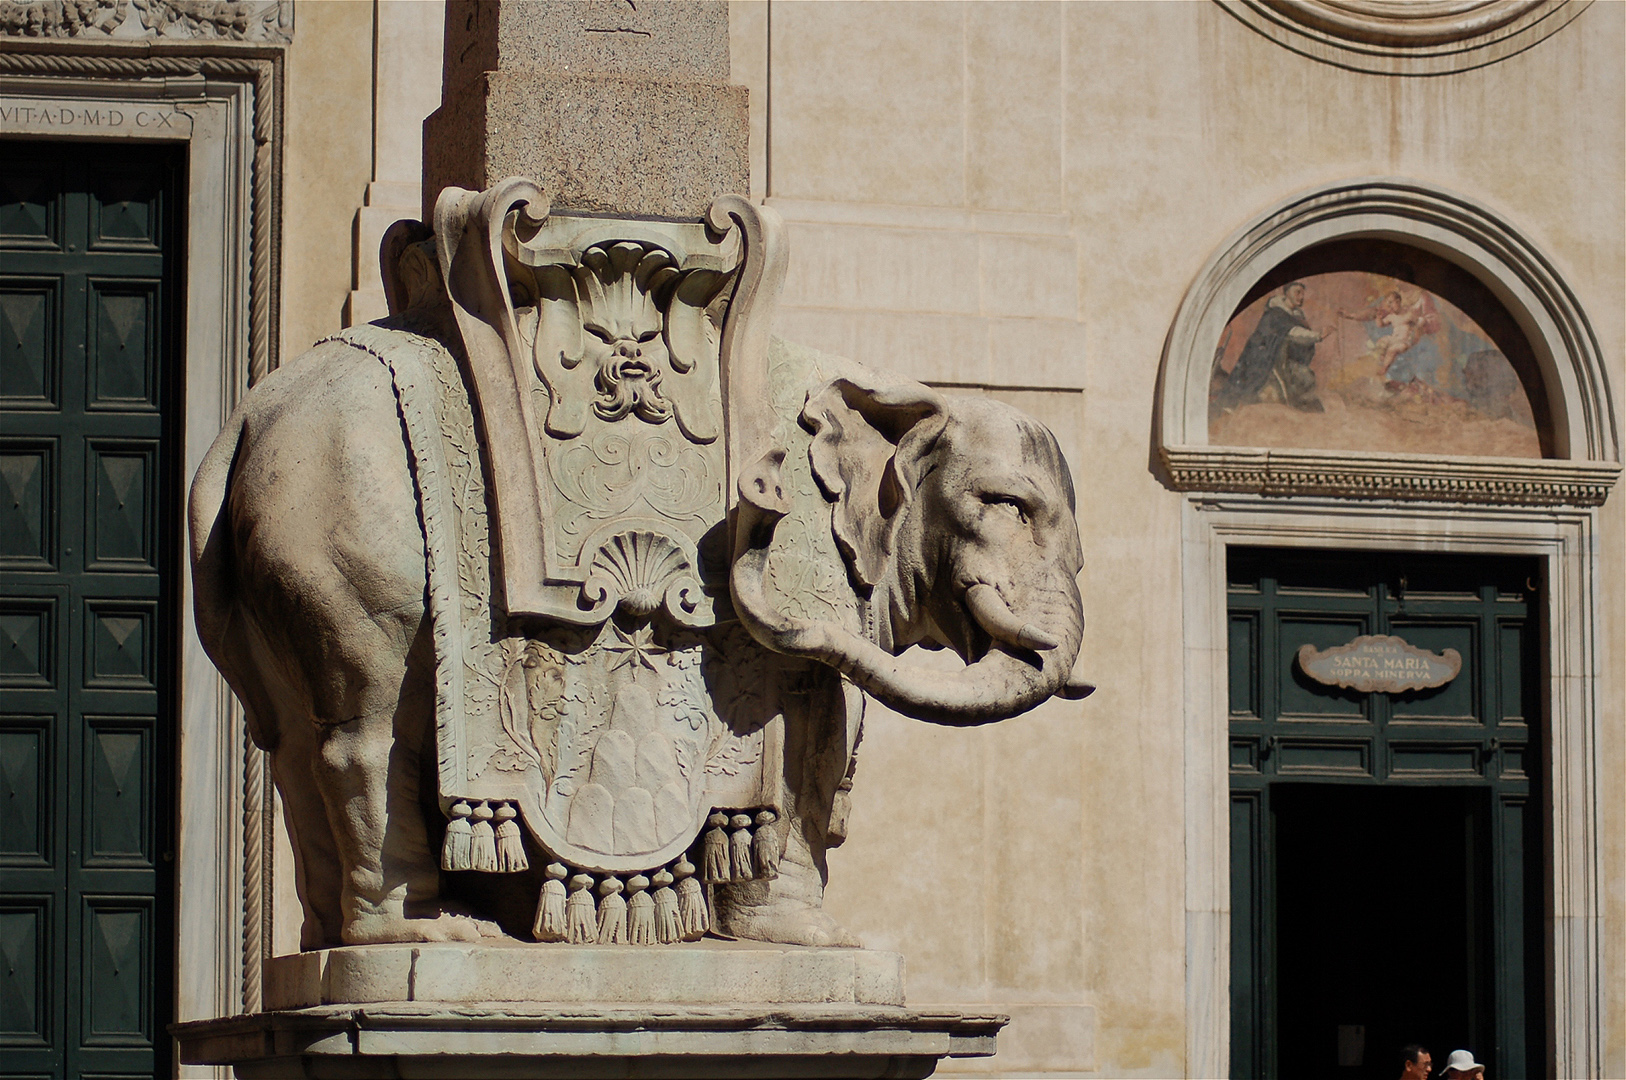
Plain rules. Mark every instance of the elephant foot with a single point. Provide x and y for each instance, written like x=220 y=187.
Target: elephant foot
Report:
x=383 y=929
x=792 y=926
x=781 y=920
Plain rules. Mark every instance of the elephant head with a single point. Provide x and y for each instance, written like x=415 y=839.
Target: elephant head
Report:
x=955 y=516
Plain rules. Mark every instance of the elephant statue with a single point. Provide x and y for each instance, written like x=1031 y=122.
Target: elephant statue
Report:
x=885 y=515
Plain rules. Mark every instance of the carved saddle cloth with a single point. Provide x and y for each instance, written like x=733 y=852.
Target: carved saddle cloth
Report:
x=611 y=740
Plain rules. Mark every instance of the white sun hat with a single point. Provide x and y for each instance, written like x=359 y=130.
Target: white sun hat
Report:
x=1461 y=1061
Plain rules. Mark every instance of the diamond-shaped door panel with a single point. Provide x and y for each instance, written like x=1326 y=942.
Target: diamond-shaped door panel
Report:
x=115 y=976
x=117 y=793
x=27 y=640
x=28 y=343
x=25 y=790
x=25 y=971
x=27 y=490
x=123 y=346
x=28 y=207
x=126 y=209
x=119 y=645
x=120 y=526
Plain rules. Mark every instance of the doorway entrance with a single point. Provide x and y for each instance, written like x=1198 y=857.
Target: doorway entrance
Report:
x=1386 y=844
x=90 y=256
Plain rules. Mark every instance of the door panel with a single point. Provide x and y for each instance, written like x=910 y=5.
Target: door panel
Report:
x=88 y=558
x=1351 y=812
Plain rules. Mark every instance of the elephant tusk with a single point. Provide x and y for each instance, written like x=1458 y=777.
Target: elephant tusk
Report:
x=995 y=617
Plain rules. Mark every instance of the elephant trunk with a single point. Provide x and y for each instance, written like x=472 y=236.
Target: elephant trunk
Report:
x=1000 y=684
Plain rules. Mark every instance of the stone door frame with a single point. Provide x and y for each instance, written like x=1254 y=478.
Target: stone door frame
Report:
x=225 y=108
x=1565 y=541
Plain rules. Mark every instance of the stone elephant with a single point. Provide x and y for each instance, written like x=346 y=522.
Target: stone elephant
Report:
x=929 y=519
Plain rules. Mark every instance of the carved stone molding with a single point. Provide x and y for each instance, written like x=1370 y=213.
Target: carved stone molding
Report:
x=261 y=21
x=1406 y=37
x=1584 y=423
x=1389 y=476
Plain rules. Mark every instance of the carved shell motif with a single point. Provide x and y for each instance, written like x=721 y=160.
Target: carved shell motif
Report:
x=641 y=572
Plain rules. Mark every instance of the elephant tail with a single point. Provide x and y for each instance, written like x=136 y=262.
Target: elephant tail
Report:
x=216 y=596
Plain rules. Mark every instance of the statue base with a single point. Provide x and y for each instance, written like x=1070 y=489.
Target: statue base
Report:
x=711 y=1008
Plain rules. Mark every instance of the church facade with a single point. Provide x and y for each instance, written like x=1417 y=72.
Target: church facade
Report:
x=1322 y=302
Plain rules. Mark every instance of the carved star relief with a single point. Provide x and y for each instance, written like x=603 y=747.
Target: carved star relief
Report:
x=634 y=648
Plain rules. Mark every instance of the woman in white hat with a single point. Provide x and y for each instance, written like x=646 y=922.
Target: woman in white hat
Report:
x=1462 y=1066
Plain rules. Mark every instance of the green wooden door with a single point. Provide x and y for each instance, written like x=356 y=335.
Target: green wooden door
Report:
x=1386 y=848
x=88 y=565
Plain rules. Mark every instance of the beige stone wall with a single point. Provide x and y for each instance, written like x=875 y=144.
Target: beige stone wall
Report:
x=327 y=161
x=1017 y=196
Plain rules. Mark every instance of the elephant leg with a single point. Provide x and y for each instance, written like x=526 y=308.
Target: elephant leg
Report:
x=788 y=909
x=318 y=878
x=382 y=841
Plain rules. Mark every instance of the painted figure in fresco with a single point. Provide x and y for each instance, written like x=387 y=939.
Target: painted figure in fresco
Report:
x=1407 y=324
x=1275 y=363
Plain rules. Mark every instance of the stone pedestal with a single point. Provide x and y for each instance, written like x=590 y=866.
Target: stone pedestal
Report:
x=724 y=1009
x=612 y=108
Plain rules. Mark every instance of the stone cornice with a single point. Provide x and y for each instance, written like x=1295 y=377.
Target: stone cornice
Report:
x=1504 y=481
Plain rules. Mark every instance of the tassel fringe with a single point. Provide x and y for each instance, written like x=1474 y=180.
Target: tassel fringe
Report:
x=739 y=849
x=612 y=913
x=581 y=924
x=550 y=908
x=668 y=927
x=691 y=899
x=714 y=856
x=666 y=906
x=765 y=845
x=640 y=911
x=510 y=845
x=482 y=841
x=454 y=851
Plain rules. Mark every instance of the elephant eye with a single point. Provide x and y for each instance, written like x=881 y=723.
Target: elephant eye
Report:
x=599 y=332
x=1010 y=502
x=648 y=335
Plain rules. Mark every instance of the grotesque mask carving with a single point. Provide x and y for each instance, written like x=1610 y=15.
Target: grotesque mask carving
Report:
x=625 y=329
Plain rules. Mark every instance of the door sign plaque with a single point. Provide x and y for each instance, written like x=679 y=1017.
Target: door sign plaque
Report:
x=1381 y=663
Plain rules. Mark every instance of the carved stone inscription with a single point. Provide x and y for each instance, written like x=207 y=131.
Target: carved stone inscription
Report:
x=1380 y=663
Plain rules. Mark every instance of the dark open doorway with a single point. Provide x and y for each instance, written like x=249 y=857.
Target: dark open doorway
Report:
x=1381 y=924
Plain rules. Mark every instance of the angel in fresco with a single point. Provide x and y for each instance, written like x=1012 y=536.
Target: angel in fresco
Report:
x=1408 y=324
x=1276 y=360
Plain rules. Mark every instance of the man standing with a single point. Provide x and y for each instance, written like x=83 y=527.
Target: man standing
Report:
x=1277 y=357
x=1415 y=1063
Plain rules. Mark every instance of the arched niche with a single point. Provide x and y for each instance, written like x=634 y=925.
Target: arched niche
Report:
x=1498 y=274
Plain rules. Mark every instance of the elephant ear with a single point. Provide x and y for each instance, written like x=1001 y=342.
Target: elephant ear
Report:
x=870 y=441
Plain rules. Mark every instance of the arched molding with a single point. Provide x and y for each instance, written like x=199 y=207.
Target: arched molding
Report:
x=1585 y=436
x=1406 y=37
